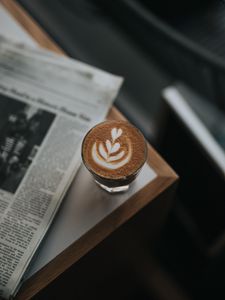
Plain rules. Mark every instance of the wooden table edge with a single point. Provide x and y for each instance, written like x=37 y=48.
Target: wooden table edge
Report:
x=165 y=178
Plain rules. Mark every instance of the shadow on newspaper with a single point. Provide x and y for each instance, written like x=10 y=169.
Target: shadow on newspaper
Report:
x=23 y=128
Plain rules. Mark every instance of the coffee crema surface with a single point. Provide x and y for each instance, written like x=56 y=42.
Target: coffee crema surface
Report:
x=114 y=150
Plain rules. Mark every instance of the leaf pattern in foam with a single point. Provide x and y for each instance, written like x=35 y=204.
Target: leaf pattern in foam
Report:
x=108 y=146
x=116 y=157
x=115 y=147
x=116 y=133
x=102 y=151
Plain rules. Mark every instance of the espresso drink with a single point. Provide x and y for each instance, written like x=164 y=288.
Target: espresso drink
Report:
x=114 y=152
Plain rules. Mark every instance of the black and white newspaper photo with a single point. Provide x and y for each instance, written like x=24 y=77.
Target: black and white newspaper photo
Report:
x=22 y=130
x=47 y=104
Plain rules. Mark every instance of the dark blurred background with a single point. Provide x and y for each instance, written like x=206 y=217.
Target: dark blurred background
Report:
x=159 y=47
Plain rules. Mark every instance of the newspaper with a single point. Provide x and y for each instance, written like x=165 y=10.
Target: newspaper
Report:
x=47 y=104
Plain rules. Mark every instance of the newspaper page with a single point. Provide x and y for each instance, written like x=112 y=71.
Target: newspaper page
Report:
x=47 y=104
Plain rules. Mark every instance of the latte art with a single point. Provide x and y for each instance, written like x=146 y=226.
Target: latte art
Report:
x=110 y=155
x=114 y=151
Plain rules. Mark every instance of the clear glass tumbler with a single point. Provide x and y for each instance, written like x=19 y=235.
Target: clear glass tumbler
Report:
x=114 y=153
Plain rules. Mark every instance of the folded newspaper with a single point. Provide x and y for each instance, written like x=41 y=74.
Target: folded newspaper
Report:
x=47 y=104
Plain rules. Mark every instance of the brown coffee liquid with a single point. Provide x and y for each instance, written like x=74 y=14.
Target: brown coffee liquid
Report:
x=114 y=150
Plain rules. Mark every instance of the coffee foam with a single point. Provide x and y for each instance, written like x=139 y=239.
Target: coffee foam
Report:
x=114 y=149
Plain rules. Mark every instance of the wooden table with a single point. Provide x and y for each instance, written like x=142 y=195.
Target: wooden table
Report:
x=164 y=182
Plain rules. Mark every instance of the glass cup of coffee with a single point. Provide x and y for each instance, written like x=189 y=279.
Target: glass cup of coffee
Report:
x=114 y=153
